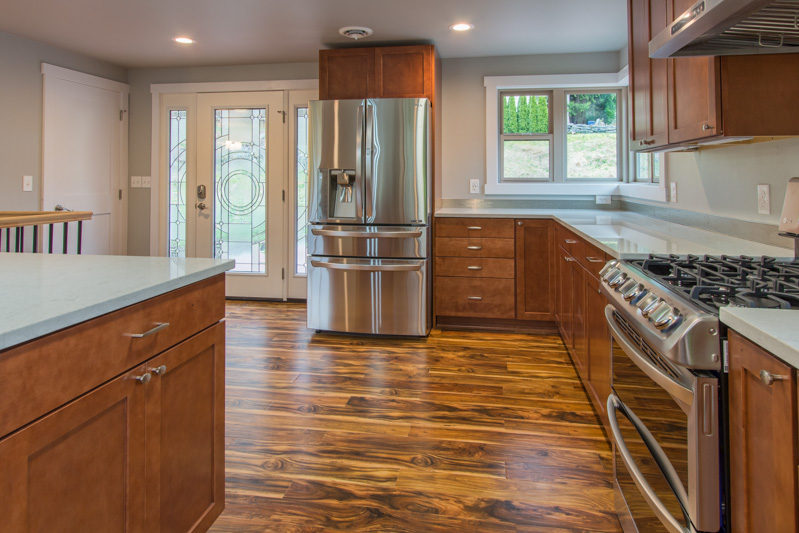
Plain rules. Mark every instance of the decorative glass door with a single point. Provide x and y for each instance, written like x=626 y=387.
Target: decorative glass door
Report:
x=238 y=195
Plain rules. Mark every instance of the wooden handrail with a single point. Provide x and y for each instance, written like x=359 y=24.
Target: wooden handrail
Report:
x=13 y=219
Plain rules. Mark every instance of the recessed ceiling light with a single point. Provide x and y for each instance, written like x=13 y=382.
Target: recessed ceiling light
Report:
x=184 y=40
x=461 y=26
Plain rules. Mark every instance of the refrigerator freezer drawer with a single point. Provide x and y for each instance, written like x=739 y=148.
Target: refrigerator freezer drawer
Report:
x=370 y=296
x=369 y=241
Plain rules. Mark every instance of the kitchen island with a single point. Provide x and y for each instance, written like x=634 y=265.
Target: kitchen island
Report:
x=112 y=412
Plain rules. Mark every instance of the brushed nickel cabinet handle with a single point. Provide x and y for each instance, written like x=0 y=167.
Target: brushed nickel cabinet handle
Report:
x=569 y=259
x=474 y=267
x=476 y=228
x=768 y=378
x=473 y=247
x=647 y=142
x=706 y=126
x=474 y=298
x=158 y=327
x=570 y=241
x=144 y=379
x=594 y=259
x=159 y=370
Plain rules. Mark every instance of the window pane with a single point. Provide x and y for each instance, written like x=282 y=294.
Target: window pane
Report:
x=657 y=168
x=177 y=183
x=525 y=159
x=240 y=188
x=301 y=222
x=642 y=168
x=591 y=138
x=525 y=114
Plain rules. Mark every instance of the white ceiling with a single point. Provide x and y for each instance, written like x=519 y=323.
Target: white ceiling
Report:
x=138 y=33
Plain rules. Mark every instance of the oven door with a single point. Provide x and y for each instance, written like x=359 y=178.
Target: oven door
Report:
x=664 y=424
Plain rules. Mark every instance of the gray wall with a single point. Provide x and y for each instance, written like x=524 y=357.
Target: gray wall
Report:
x=463 y=105
x=139 y=140
x=21 y=112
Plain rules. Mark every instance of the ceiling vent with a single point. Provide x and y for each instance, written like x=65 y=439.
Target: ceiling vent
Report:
x=355 y=32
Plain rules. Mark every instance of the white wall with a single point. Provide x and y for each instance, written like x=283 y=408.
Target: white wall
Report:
x=21 y=111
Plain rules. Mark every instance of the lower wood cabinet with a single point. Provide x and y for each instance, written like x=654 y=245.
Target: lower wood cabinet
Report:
x=763 y=440
x=598 y=340
x=144 y=452
x=534 y=270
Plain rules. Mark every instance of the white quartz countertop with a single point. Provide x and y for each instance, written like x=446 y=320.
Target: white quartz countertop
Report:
x=42 y=293
x=626 y=234
x=776 y=330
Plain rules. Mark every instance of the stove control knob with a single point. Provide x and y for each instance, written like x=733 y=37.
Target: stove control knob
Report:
x=654 y=303
x=660 y=315
x=616 y=282
x=611 y=265
x=610 y=274
x=627 y=286
x=646 y=301
x=632 y=292
x=672 y=318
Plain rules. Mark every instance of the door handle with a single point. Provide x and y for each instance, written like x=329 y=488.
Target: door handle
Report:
x=370 y=268
x=201 y=206
x=366 y=234
x=158 y=327
x=201 y=192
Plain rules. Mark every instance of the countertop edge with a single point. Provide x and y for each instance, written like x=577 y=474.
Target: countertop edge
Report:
x=31 y=332
x=768 y=341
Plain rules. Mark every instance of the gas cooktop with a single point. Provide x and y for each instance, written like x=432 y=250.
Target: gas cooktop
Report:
x=712 y=282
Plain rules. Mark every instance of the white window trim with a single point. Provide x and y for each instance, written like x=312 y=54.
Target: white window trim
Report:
x=493 y=186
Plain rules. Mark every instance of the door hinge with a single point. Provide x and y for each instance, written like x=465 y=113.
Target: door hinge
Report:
x=121 y=114
x=284 y=195
x=282 y=273
x=282 y=113
x=120 y=194
x=725 y=351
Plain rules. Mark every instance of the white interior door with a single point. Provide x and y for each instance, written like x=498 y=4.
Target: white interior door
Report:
x=238 y=199
x=84 y=155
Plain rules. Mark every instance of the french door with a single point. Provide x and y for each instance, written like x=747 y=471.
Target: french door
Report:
x=235 y=186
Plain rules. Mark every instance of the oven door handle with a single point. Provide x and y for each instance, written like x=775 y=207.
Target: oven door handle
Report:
x=661 y=459
x=683 y=395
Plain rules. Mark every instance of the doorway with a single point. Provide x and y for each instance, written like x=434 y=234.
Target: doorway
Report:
x=234 y=186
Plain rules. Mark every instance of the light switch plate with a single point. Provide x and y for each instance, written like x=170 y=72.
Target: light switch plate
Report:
x=135 y=182
x=764 y=199
x=602 y=199
x=145 y=182
x=27 y=183
x=673 y=192
x=474 y=186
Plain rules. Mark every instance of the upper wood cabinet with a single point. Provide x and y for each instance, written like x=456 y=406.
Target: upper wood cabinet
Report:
x=688 y=100
x=763 y=440
x=648 y=77
x=381 y=72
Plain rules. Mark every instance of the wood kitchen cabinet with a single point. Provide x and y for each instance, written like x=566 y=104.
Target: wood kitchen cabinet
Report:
x=346 y=74
x=598 y=339
x=763 y=439
x=565 y=288
x=535 y=280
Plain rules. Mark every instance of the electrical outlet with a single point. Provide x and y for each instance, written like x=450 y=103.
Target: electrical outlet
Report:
x=145 y=182
x=474 y=186
x=673 y=192
x=602 y=199
x=764 y=199
x=27 y=183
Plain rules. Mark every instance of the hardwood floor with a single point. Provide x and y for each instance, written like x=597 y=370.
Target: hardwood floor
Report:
x=458 y=432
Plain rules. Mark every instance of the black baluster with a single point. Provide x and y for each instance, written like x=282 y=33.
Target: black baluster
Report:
x=8 y=239
x=80 y=235
x=51 y=239
x=66 y=229
x=16 y=241
x=35 y=239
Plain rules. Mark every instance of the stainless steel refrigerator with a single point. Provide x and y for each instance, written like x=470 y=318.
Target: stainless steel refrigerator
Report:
x=369 y=213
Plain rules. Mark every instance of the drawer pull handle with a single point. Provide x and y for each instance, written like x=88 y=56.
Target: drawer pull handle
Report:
x=768 y=378
x=159 y=370
x=569 y=259
x=476 y=228
x=474 y=247
x=594 y=259
x=474 y=298
x=570 y=241
x=158 y=327
x=144 y=379
x=474 y=267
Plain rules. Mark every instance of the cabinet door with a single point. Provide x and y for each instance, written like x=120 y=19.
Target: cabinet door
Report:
x=534 y=280
x=598 y=345
x=404 y=71
x=763 y=460
x=346 y=74
x=80 y=468
x=185 y=434
x=648 y=77
x=693 y=89
x=579 y=342
x=565 y=295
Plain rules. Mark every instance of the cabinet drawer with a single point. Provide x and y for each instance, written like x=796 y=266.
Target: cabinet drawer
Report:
x=570 y=242
x=463 y=247
x=592 y=259
x=475 y=227
x=475 y=268
x=483 y=297
x=52 y=370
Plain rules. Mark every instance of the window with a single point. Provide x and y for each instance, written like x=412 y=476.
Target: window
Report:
x=176 y=150
x=560 y=135
x=647 y=168
x=301 y=176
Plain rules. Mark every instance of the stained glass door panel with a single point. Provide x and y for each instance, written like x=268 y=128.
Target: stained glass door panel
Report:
x=240 y=188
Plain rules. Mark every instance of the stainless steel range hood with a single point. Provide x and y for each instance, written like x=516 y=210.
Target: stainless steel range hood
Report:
x=731 y=27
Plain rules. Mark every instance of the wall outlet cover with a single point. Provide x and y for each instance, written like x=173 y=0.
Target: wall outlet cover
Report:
x=602 y=199
x=673 y=192
x=27 y=183
x=145 y=181
x=764 y=199
x=474 y=186
x=135 y=182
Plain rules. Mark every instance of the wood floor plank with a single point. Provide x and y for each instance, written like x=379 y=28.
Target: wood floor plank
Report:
x=462 y=431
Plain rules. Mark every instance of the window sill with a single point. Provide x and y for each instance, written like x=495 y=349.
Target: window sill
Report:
x=643 y=191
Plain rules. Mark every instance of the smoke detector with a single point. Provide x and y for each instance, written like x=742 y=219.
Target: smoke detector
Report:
x=355 y=32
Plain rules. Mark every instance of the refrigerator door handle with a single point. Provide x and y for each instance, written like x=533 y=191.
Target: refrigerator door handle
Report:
x=371 y=268
x=359 y=161
x=367 y=234
x=370 y=153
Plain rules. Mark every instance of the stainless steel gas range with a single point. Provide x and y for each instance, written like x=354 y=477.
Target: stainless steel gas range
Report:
x=667 y=408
